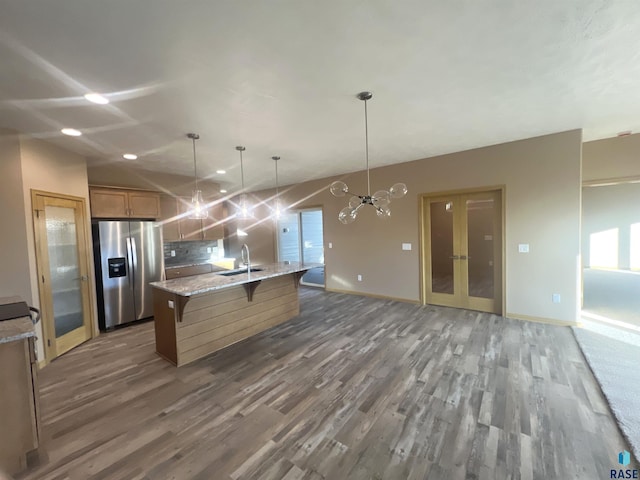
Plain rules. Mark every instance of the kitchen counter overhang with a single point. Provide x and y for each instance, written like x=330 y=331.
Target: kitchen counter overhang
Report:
x=198 y=315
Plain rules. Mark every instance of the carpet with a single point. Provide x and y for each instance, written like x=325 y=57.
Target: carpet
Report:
x=616 y=366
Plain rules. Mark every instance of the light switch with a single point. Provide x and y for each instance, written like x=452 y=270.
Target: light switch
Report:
x=406 y=246
x=173 y=253
x=555 y=298
x=359 y=278
x=330 y=245
x=523 y=248
x=208 y=249
x=170 y=303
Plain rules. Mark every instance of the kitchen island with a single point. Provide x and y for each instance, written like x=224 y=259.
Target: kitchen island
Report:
x=19 y=395
x=198 y=315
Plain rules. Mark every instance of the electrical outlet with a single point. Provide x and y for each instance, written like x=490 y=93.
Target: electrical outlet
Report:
x=555 y=298
x=406 y=246
x=330 y=245
x=359 y=278
x=209 y=250
x=173 y=253
x=170 y=304
x=523 y=248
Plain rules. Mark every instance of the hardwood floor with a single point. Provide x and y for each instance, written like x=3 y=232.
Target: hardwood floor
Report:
x=355 y=388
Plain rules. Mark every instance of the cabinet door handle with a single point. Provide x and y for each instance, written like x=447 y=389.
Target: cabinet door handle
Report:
x=454 y=257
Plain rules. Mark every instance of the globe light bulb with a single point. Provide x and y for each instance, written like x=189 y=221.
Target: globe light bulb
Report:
x=338 y=188
x=346 y=215
x=398 y=190
x=384 y=212
x=354 y=201
x=381 y=198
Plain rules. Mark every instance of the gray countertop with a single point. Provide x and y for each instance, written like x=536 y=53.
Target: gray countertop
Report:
x=16 y=329
x=207 y=282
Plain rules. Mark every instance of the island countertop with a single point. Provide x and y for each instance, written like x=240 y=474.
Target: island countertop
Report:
x=17 y=329
x=207 y=282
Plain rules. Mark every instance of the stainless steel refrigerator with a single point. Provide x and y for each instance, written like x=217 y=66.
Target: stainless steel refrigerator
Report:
x=128 y=255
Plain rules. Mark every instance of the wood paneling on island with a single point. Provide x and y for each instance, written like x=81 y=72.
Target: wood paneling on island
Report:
x=189 y=327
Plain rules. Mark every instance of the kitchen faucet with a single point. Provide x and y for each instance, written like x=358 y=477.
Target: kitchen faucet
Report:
x=246 y=261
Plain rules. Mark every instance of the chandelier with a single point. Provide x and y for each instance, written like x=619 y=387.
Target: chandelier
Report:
x=198 y=208
x=381 y=199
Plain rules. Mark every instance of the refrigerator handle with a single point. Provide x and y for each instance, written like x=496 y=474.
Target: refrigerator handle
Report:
x=134 y=254
x=129 y=260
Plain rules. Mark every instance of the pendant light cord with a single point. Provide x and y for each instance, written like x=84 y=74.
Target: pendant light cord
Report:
x=277 y=190
x=195 y=168
x=242 y=171
x=366 y=144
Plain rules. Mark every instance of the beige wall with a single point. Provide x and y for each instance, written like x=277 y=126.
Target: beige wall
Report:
x=14 y=256
x=52 y=169
x=611 y=158
x=542 y=179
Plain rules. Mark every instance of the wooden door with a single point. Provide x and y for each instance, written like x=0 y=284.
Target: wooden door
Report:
x=62 y=254
x=462 y=248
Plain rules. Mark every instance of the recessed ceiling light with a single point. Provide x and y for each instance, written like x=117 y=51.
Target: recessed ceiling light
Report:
x=221 y=172
x=130 y=156
x=222 y=190
x=72 y=132
x=96 y=98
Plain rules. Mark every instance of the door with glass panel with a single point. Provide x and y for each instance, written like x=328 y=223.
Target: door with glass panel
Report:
x=63 y=275
x=463 y=250
x=300 y=239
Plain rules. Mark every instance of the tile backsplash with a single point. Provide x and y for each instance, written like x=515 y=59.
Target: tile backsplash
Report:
x=192 y=252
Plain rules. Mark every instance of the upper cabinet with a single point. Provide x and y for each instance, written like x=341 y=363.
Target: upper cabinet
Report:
x=116 y=203
x=176 y=224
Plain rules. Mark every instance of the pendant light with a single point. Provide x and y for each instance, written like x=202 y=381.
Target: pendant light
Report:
x=381 y=199
x=244 y=208
x=277 y=212
x=198 y=208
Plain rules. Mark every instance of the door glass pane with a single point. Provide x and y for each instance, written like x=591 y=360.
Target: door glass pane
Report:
x=312 y=245
x=480 y=248
x=289 y=238
x=64 y=269
x=442 y=247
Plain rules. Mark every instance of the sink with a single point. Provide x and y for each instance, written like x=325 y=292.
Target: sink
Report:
x=239 y=272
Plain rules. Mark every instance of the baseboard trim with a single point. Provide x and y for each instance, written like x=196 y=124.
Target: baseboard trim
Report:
x=42 y=364
x=549 y=321
x=373 y=295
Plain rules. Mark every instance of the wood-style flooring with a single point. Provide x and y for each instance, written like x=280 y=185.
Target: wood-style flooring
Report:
x=353 y=388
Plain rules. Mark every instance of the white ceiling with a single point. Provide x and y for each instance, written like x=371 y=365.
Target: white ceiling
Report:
x=280 y=77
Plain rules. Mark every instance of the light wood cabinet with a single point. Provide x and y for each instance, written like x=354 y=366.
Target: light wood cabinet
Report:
x=212 y=226
x=190 y=229
x=19 y=404
x=177 y=226
x=116 y=203
x=169 y=218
